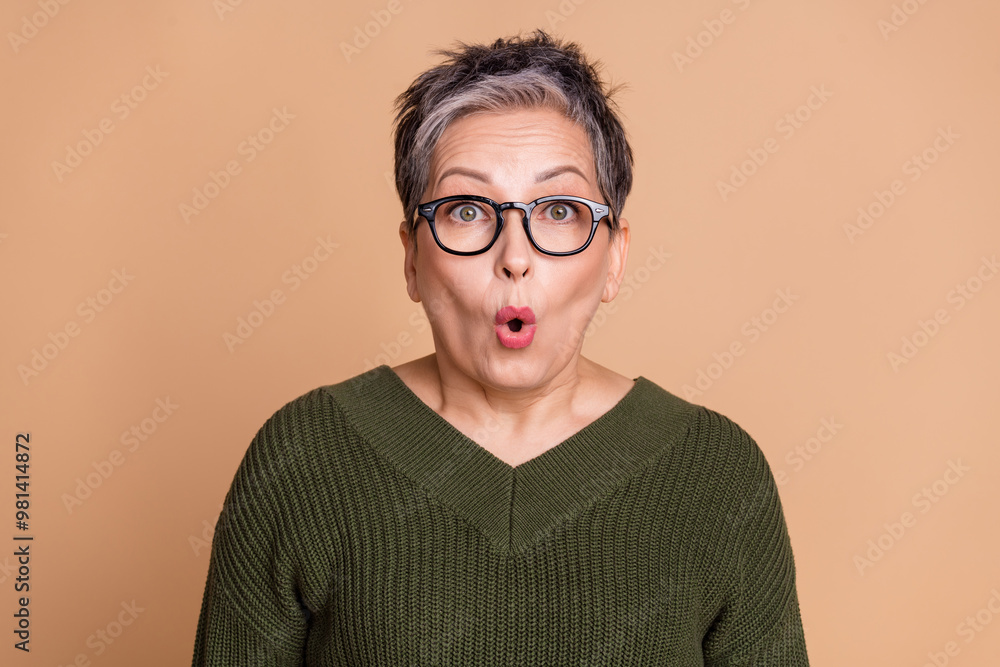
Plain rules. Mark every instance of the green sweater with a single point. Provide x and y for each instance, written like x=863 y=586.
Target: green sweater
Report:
x=362 y=528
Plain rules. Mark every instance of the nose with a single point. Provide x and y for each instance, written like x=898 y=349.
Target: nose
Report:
x=515 y=251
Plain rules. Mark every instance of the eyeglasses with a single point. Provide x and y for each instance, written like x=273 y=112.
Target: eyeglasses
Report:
x=470 y=225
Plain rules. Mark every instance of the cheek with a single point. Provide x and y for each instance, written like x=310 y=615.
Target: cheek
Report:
x=572 y=294
x=453 y=291
x=576 y=283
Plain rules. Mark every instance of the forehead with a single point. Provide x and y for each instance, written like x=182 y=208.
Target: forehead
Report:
x=519 y=144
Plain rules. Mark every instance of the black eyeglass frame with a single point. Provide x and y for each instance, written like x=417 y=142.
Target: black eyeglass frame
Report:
x=598 y=211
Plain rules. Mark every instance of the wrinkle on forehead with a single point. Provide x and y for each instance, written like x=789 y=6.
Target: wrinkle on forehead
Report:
x=514 y=146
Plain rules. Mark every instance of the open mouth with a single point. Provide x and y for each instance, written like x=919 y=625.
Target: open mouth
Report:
x=515 y=326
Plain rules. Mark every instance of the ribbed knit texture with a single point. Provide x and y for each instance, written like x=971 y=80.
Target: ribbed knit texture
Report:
x=364 y=529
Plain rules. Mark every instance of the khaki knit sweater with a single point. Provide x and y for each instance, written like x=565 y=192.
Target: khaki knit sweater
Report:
x=362 y=528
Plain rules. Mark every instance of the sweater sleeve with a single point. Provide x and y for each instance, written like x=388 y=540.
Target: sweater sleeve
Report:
x=760 y=623
x=251 y=612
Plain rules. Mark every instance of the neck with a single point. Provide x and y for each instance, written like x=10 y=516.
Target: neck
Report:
x=516 y=421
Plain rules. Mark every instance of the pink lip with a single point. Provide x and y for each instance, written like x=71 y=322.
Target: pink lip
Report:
x=515 y=339
x=508 y=313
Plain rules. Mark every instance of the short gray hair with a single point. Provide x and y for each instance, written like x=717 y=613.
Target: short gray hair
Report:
x=512 y=73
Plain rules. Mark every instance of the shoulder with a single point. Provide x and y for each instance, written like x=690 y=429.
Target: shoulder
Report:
x=726 y=445
x=713 y=458
x=745 y=492
x=709 y=436
x=294 y=458
x=297 y=438
x=311 y=413
x=283 y=435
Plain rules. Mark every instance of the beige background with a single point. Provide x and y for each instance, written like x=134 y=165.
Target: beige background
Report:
x=889 y=92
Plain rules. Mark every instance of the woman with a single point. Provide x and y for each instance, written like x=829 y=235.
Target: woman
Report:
x=504 y=500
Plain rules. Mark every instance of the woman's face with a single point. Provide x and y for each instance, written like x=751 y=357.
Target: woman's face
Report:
x=513 y=156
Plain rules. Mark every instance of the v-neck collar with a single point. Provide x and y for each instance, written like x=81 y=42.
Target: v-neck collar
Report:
x=512 y=506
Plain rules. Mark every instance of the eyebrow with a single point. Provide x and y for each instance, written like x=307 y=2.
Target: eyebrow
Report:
x=483 y=178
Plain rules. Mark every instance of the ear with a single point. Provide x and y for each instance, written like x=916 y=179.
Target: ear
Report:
x=617 y=257
x=409 y=260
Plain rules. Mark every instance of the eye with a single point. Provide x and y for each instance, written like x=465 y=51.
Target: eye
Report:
x=560 y=211
x=467 y=211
